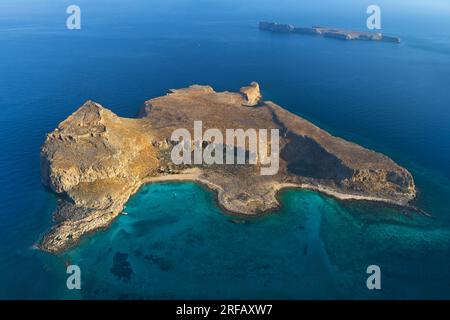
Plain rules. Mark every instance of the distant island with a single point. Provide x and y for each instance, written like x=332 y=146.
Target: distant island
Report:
x=327 y=32
x=95 y=160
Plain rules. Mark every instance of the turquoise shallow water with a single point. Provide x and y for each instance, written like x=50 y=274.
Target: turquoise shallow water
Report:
x=174 y=253
x=179 y=245
x=176 y=242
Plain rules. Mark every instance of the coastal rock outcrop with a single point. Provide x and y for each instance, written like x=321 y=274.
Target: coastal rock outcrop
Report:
x=95 y=160
x=252 y=94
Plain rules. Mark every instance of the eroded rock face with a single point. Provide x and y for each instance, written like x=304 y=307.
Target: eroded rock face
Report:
x=95 y=160
x=252 y=94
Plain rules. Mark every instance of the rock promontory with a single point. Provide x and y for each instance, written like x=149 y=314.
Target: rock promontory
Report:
x=252 y=94
x=95 y=160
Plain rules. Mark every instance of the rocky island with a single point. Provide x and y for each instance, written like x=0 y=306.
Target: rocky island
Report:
x=95 y=160
x=327 y=32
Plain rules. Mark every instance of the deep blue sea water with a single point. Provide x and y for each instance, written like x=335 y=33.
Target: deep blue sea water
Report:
x=391 y=98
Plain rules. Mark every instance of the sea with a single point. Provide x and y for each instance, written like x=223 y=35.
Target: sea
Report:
x=175 y=242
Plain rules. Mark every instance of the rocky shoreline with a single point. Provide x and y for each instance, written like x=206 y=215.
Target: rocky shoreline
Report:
x=96 y=160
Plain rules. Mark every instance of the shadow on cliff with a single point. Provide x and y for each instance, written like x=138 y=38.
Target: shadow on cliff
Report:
x=307 y=158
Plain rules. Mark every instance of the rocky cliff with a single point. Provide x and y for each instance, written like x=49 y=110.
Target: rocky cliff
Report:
x=252 y=94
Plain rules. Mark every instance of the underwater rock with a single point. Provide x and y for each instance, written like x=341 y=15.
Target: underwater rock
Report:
x=121 y=267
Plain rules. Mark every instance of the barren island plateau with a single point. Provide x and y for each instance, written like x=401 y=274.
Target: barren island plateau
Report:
x=95 y=160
